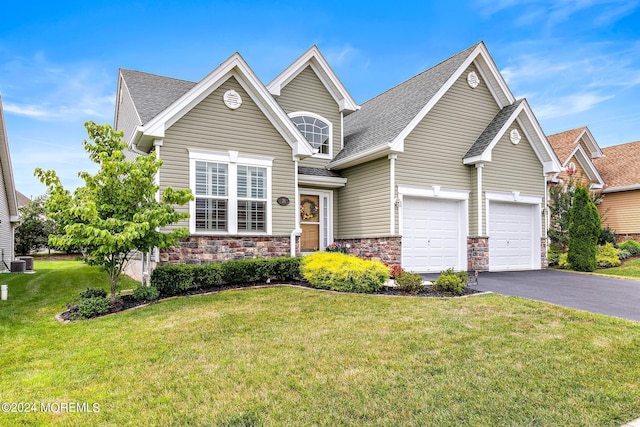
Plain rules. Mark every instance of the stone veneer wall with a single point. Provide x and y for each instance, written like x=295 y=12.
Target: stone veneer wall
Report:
x=206 y=249
x=544 y=262
x=478 y=253
x=627 y=236
x=386 y=248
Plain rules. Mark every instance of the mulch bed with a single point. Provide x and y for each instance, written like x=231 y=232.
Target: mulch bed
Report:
x=126 y=302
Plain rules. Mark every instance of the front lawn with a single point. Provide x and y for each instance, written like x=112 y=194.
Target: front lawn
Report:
x=291 y=356
x=629 y=268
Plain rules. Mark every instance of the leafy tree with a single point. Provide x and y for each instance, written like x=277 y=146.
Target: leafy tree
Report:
x=584 y=230
x=116 y=213
x=33 y=231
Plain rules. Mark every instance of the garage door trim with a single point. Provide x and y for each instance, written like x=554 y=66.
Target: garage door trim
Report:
x=516 y=197
x=437 y=192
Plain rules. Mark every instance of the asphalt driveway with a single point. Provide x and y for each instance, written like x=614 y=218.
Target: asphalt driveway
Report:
x=597 y=294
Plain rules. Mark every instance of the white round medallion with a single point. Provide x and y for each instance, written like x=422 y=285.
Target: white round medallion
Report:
x=232 y=99
x=515 y=137
x=473 y=79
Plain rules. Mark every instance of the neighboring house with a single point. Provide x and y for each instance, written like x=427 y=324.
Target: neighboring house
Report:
x=577 y=149
x=444 y=170
x=22 y=199
x=620 y=206
x=8 y=201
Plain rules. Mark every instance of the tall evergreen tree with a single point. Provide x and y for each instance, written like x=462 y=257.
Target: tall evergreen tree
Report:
x=584 y=229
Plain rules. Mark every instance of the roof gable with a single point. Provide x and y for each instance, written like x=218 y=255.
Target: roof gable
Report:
x=236 y=67
x=313 y=58
x=521 y=112
x=7 y=169
x=584 y=160
x=383 y=123
x=564 y=143
x=619 y=166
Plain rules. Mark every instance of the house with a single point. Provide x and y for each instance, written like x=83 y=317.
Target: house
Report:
x=620 y=206
x=9 y=215
x=446 y=169
x=577 y=149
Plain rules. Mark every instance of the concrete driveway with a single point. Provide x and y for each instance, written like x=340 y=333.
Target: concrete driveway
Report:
x=597 y=294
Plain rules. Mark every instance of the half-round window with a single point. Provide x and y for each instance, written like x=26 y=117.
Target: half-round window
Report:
x=316 y=131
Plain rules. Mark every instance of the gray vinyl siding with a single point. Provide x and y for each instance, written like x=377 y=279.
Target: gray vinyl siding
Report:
x=126 y=119
x=433 y=151
x=364 y=201
x=6 y=227
x=513 y=168
x=212 y=126
x=307 y=93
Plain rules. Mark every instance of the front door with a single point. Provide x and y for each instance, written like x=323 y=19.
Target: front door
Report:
x=310 y=223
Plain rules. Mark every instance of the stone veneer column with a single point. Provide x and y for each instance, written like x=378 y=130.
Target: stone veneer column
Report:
x=387 y=249
x=478 y=253
x=544 y=262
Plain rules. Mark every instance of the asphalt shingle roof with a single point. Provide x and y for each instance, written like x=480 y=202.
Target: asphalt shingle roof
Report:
x=619 y=166
x=488 y=135
x=563 y=142
x=305 y=170
x=152 y=93
x=381 y=119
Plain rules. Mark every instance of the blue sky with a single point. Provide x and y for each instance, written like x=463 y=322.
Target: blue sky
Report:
x=577 y=61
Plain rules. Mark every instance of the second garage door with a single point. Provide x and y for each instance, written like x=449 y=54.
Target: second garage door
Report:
x=431 y=234
x=511 y=236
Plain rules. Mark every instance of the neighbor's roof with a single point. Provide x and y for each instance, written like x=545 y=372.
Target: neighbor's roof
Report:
x=381 y=119
x=22 y=199
x=619 y=166
x=563 y=142
x=151 y=93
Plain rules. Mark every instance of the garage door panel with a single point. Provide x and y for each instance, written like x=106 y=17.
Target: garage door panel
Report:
x=431 y=234
x=511 y=230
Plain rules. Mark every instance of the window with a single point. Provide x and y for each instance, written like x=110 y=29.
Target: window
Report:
x=232 y=193
x=316 y=130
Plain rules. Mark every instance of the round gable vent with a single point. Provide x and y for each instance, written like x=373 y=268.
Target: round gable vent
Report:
x=232 y=99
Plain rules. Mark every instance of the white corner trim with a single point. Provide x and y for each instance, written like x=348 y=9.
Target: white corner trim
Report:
x=322 y=181
x=513 y=197
x=435 y=191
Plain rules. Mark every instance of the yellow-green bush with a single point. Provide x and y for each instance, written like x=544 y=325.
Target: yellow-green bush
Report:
x=607 y=256
x=344 y=273
x=563 y=261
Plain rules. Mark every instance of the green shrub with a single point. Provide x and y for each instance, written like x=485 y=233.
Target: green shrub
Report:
x=207 y=275
x=607 y=256
x=92 y=307
x=146 y=293
x=344 y=273
x=553 y=255
x=607 y=236
x=260 y=270
x=451 y=281
x=286 y=269
x=410 y=282
x=93 y=293
x=584 y=230
x=563 y=261
x=623 y=254
x=631 y=246
x=172 y=279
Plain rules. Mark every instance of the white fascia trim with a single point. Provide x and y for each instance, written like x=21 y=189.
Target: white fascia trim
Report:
x=359 y=158
x=234 y=66
x=550 y=162
x=322 y=181
x=480 y=50
x=435 y=191
x=513 y=197
x=586 y=164
x=7 y=168
x=322 y=69
x=590 y=142
x=622 y=188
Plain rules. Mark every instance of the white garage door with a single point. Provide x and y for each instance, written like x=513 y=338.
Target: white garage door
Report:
x=430 y=234
x=511 y=231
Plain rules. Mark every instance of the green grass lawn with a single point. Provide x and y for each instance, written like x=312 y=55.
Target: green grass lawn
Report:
x=291 y=356
x=629 y=269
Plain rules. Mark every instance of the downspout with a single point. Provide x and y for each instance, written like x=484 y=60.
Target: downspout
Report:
x=296 y=231
x=146 y=258
x=392 y=193
x=479 y=167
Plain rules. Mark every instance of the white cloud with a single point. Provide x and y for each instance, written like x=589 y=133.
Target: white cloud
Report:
x=570 y=104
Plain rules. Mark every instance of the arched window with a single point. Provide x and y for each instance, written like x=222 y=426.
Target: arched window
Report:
x=316 y=130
